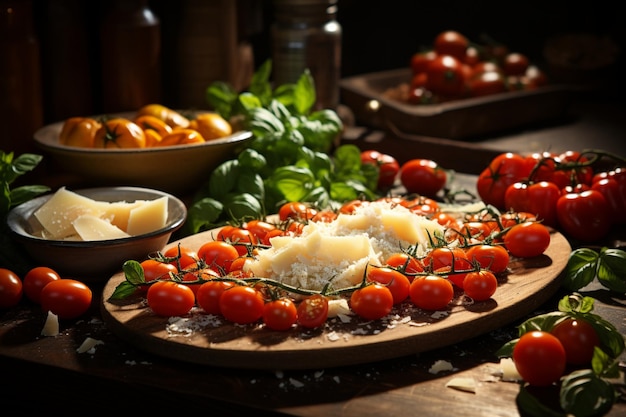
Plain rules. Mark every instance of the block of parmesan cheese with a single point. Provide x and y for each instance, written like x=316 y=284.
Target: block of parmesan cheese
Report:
x=117 y=213
x=58 y=213
x=148 y=217
x=91 y=227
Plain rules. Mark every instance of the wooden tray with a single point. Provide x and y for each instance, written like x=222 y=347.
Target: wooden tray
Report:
x=459 y=119
x=529 y=284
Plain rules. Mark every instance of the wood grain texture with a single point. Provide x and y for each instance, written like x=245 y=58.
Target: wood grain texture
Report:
x=406 y=331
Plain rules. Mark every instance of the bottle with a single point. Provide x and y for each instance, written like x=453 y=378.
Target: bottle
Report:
x=306 y=35
x=21 y=102
x=130 y=56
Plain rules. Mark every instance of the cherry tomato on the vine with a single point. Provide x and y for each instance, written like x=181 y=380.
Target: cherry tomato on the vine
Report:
x=372 y=302
x=280 y=314
x=388 y=167
x=37 y=278
x=446 y=76
x=423 y=176
x=241 y=304
x=452 y=43
x=11 y=288
x=209 y=293
x=480 y=285
x=154 y=270
x=184 y=256
x=495 y=258
x=67 y=298
x=219 y=254
x=584 y=216
x=431 y=292
x=295 y=210
x=397 y=283
x=169 y=298
x=504 y=170
x=539 y=358
x=312 y=311
x=527 y=240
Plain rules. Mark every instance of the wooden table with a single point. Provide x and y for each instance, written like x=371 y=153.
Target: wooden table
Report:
x=46 y=374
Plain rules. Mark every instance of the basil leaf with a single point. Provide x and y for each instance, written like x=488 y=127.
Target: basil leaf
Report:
x=221 y=96
x=585 y=395
x=242 y=207
x=533 y=407
x=612 y=269
x=224 y=178
x=133 y=272
x=260 y=83
x=580 y=269
x=203 y=214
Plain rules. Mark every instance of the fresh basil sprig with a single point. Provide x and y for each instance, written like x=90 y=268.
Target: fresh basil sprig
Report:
x=608 y=265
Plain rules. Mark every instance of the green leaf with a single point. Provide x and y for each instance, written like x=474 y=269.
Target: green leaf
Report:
x=203 y=215
x=260 y=83
x=252 y=183
x=224 y=178
x=221 y=96
x=134 y=272
x=25 y=193
x=584 y=394
x=533 y=407
x=506 y=350
x=294 y=183
x=242 y=207
x=262 y=121
x=123 y=290
x=250 y=158
x=543 y=322
x=580 y=269
x=304 y=93
x=612 y=269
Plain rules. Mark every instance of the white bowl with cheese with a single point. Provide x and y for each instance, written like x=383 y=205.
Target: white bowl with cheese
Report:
x=88 y=234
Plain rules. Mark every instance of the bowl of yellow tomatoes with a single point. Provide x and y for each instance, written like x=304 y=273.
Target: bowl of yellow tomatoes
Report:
x=155 y=147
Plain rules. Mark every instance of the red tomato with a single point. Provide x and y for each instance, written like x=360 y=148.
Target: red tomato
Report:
x=449 y=261
x=584 y=216
x=241 y=239
x=539 y=198
x=539 y=358
x=405 y=263
x=154 y=270
x=209 y=293
x=181 y=256
x=422 y=206
x=36 y=279
x=614 y=196
x=295 y=210
x=421 y=60
x=11 y=288
x=515 y=63
x=431 y=292
x=388 y=167
x=397 y=283
x=67 y=298
x=218 y=254
x=312 y=311
x=260 y=229
x=372 y=302
x=422 y=176
x=582 y=174
x=169 y=298
x=280 y=314
x=451 y=43
x=446 y=76
x=504 y=170
x=241 y=304
x=193 y=278
x=578 y=338
x=495 y=258
x=527 y=239
x=486 y=83
x=480 y=285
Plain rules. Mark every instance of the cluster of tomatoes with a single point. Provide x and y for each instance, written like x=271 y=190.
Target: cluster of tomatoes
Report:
x=154 y=125
x=67 y=298
x=476 y=248
x=456 y=68
x=564 y=191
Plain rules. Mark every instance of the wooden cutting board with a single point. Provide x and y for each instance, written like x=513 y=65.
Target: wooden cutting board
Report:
x=205 y=339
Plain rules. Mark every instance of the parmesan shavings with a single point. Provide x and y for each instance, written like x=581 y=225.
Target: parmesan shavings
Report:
x=51 y=326
x=440 y=366
x=462 y=384
x=89 y=345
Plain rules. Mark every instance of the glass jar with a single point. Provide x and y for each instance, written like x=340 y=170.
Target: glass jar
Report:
x=305 y=35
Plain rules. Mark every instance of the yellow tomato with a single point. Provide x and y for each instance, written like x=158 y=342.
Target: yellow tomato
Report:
x=211 y=126
x=169 y=116
x=152 y=138
x=181 y=137
x=120 y=133
x=79 y=131
x=148 y=122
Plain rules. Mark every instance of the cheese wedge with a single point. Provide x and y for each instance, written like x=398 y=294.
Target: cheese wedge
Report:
x=91 y=227
x=148 y=217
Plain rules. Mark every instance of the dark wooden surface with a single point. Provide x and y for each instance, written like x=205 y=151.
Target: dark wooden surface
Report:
x=47 y=374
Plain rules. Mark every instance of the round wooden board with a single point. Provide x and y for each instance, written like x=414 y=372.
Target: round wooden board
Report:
x=408 y=330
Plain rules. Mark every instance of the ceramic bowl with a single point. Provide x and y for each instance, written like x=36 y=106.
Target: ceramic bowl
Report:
x=92 y=261
x=178 y=169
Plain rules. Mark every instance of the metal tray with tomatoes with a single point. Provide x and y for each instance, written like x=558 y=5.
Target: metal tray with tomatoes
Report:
x=460 y=119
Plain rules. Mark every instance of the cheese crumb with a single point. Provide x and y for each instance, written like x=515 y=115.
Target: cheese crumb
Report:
x=89 y=345
x=462 y=384
x=51 y=326
x=440 y=366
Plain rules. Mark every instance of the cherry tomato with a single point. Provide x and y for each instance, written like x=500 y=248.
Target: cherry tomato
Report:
x=405 y=263
x=539 y=198
x=312 y=311
x=614 y=196
x=504 y=170
x=446 y=76
x=260 y=229
x=154 y=270
x=11 y=288
x=67 y=298
x=79 y=131
x=211 y=125
x=218 y=254
x=422 y=176
x=486 y=83
x=169 y=116
x=119 y=133
x=372 y=302
x=495 y=258
x=421 y=60
x=209 y=293
x=169 y=298
x=241 y=239
x=422 y=206
x=36 y=279
x=241 y=304
x=397 y=283
x=193 y=278
x=295 y=210
x=528 y=239
x=584 y=216
x=451 y=43
x=578 y=338
x=350 y=207
x=480 y=285
x=181 y=137
x=582 y=174
x=539 y=358
x=515 y=63
x=431 y=292
x=150 y=122
x=280 y=314
x=388 y=167
x=183 y=256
